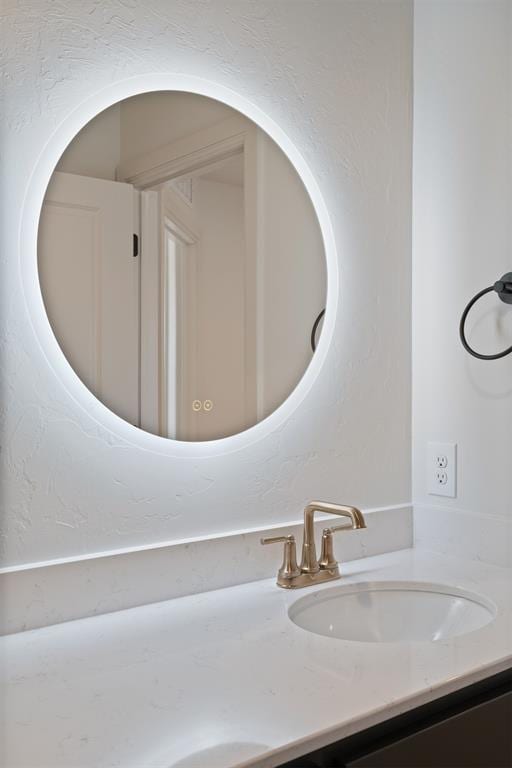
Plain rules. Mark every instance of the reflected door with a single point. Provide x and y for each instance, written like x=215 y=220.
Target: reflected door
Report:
x=90 y=284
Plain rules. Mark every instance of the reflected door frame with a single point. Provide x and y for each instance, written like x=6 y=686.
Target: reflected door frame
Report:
x=188 y=157
x=182 y=421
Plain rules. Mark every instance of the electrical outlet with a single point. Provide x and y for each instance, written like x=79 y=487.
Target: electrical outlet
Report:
x=442 y=469
x=441 y=477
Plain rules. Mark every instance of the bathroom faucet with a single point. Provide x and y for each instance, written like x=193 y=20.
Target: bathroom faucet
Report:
x=311 y=570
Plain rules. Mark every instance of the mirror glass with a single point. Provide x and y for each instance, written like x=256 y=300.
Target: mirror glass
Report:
x=182 y=266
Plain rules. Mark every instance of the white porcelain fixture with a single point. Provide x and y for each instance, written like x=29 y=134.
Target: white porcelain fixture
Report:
x=392 y=612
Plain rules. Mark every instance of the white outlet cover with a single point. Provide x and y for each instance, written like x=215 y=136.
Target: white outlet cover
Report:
x=442 y=460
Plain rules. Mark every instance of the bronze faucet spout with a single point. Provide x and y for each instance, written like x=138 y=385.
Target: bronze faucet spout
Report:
x=309 y=562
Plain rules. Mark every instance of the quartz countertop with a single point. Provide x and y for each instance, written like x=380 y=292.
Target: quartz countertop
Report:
x=224 y=678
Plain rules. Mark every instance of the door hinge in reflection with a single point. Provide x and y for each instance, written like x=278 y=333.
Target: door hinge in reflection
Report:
x=135 y=245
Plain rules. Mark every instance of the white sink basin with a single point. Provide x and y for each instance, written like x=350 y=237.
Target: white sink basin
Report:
x=392 y=612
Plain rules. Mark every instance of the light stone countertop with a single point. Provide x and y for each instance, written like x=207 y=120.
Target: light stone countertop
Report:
x=224 y=678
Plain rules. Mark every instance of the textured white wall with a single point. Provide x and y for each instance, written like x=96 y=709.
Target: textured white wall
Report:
x=462 y=239
x=337 y=78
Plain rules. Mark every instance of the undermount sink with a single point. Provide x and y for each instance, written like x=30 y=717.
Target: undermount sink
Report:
x=392 y=612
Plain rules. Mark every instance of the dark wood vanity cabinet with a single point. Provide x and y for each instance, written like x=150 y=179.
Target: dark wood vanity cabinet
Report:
x=471 y=728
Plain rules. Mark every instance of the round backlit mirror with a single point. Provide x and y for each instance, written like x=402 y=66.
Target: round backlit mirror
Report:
x=181 y=265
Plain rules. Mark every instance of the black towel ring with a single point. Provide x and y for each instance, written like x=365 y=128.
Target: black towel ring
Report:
x=503 y=288
x=315 y=329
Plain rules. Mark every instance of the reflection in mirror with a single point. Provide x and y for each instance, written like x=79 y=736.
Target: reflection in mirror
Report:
x=181 y=265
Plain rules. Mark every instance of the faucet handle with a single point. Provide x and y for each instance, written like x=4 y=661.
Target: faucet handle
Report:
x=327 y=559
x=289 y=568
x=277 y=539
